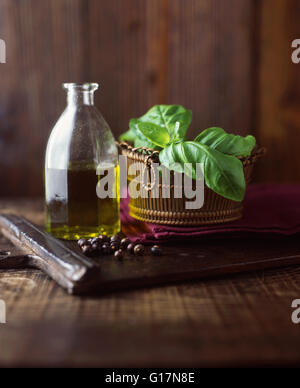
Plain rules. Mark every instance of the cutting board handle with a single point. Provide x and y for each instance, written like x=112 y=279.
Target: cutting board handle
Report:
x=71 y=270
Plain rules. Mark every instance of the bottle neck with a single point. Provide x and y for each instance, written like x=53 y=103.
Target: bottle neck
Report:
x=79 y=98
x=80 y=94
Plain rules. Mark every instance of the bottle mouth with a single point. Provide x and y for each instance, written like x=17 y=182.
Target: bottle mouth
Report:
x=85 y=87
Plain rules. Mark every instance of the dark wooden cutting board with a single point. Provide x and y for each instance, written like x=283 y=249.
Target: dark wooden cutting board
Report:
x=180 y=262
x=199 y=260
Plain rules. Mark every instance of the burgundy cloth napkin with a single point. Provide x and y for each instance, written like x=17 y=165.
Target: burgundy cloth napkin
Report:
x=269 y=209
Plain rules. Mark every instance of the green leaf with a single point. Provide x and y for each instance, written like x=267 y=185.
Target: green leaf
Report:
x=156 y=134
x=216 y=138
x=223 y=174
x=175 y=118
x=136 y=138
x=130 y=136
x=139 y=139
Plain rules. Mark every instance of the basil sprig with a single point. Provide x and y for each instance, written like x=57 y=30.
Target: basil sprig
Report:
x=164 y=128
x=174 y=119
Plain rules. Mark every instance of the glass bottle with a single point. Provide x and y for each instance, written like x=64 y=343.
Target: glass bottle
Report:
x=81 y=153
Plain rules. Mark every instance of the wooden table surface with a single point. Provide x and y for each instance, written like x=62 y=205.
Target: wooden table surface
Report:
x=241 y=320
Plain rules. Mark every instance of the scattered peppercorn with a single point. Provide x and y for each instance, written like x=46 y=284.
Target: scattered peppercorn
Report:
x=96 y=240
x=139 y=250
x=87 y=250
x=103 y=238
x=156 y=250
x=106 y=249
x=125 y=242
x=114 y=246
x=103 y=244
x=96 y=248
x=82 y=242
x=115 y=239
x=130 y=248
x=119 y=254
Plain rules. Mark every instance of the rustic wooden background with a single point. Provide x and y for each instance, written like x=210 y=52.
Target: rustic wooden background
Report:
x=227 y=60
x=238 y=321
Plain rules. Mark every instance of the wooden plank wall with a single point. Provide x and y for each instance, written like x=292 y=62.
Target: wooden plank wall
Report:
x=208 y=55
x=209 y=66
x=278 y=90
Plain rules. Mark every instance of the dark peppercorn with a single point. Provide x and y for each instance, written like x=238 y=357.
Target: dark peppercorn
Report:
x=106 y=249
x=130 y=248
x=114 y=246
x=115 y=238
x=103 y=238
x=156 y=250
x=86 y=244
x=125 y=242
x=119 y=254
x=82 y=242
x=96 y=248
x=139 y=250
x=87 y=250
x=96 y=240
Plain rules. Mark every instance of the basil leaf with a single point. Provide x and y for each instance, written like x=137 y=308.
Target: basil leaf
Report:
x=140 y=140
x=229 y=144
x=156 y=134
x=223 y=174
x=135 y=136
x=175 y=118
x=130 y=135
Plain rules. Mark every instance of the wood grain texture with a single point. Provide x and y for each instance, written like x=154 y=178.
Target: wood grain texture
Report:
x=79 y=275
x=278 y=93
x=141 y=52
x=244 y=320
x=227 y=60
x=45 y=47
x=209 y=63
x=76 y=273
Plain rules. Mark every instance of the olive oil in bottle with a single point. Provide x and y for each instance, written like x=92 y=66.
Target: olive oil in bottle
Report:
x=81 y=144
x=73 y=208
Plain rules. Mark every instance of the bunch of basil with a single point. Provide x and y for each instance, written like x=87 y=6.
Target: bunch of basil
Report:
x=164 y=128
